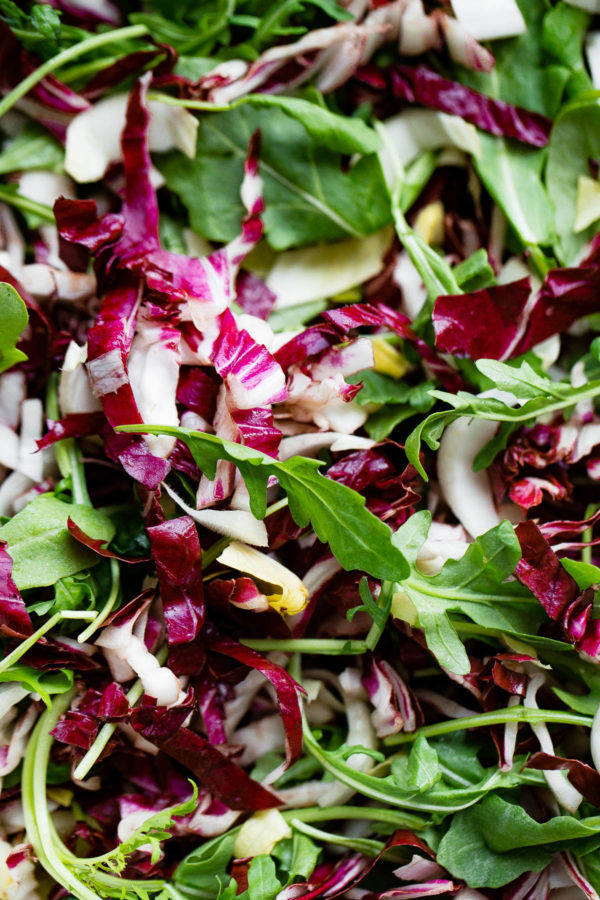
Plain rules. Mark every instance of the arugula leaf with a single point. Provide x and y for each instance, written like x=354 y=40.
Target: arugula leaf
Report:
x=575 y=139
x=423 y=765
x=13 y=321
x=308 y=198
x=541 y=395
x=206 y=865
x=399 y=400
x=263 y=883
x=32 y=148
x=40 y=545
x=474 y=586
x=337 y=513
x=37 y=681
x=475 y=272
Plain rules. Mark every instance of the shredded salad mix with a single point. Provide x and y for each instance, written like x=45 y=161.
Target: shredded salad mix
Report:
x=300 y=449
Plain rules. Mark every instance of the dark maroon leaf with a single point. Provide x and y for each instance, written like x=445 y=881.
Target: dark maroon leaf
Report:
x=425 y=87
x=540 y=570
x=113 y=704
x=220 y=775
x=176 y=550
x=583 y=777
x=14 y=618
x=77 y=729
x=286 y=688
x=76 y=425
x=484 y=324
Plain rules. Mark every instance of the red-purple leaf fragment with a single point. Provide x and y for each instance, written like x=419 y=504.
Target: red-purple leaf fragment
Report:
x=14 y=618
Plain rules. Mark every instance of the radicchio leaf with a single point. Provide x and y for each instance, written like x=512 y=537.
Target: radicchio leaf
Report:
x=540 y=570
x=178 y=557
x=583 y=777
x=14 y=618
x=75 y=425
x=97 y=545
x=425 y=87
x=223 y=777
x=288 y=692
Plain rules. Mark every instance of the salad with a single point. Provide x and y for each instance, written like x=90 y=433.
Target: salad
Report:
x=300 y=449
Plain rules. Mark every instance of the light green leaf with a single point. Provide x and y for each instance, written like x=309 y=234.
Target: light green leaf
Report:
x=40 y=545
x=308 y=197
x=33 y=148
x=43 y=683
x=423 y=765
x=13 y=321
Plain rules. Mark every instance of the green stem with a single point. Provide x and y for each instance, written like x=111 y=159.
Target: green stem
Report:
x=25 y=645
x=588 y=534
x=25 y=204
x=368 y=846
x=384 y=603
x=107 y=731
x=331 y=647
x=66 y=56
x=78 y=482
x=537 y=259
x=484 y=720
x=395 y=817
x=61 y=452
x=107 y=608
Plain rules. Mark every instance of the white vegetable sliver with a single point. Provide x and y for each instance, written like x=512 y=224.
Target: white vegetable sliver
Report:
x=488 y=20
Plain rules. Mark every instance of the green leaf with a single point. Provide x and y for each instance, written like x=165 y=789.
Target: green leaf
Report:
x=33 y=148
x=205 y=866
x=338 y=515
x=423 y=765
x=263 y=883
x=474 y=586
x=475 y=272
x=575 y=139
x=13 y=321
x=40 y=544
x=289 y=318
x=43 y=683
x=305 y=855
x=308 y=197
x=465 y=854
x=542 y=396
x=585 y=574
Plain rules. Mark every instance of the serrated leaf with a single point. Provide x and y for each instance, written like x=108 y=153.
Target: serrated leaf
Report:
x=358 y=539
x=474 y=586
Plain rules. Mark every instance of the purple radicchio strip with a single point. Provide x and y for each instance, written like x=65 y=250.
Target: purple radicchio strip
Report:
x=540 y=570
x=505 y=320
x=178 y=557
x=14 y=618
x=425 y=87
x=583 y=777
x=288 y=692
x=75 y=425
x=396 y=708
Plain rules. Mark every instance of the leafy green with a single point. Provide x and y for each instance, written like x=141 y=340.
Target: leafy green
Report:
x=338 y=515
x=33 y=148
x=474 y=586
x=308 y=196
x=423 y=768
x=72 y=592
x=263 y=883
x=399 y=400
x=203 y=868
x=291 y=317
x=13 y=321
x=43 y=683
x=40 y=545
x=540 y=393
x=575 y=139
x=475 y=272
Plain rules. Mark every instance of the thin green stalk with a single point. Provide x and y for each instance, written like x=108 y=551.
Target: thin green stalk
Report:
x=78 y=482
x=112 y=598
x=396 y=817
x=588 y=534
x=368 y=846
x=331 y=647
x=25 y=204
x=384 y=604
x=497 y=717
x=107 y=731
x=68 y=455
x=66 y=56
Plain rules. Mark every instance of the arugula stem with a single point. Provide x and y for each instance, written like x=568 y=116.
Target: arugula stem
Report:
x=112 y=598
x=384 y=604
x=277 y=12
x=368 y=846
x=107 y=731
x=588 y=534
x=484 y=720
x=68 y=455
x=332 y=647
x=397 y=817
x=65 y=56
x=26 y=205
x=78 y=483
